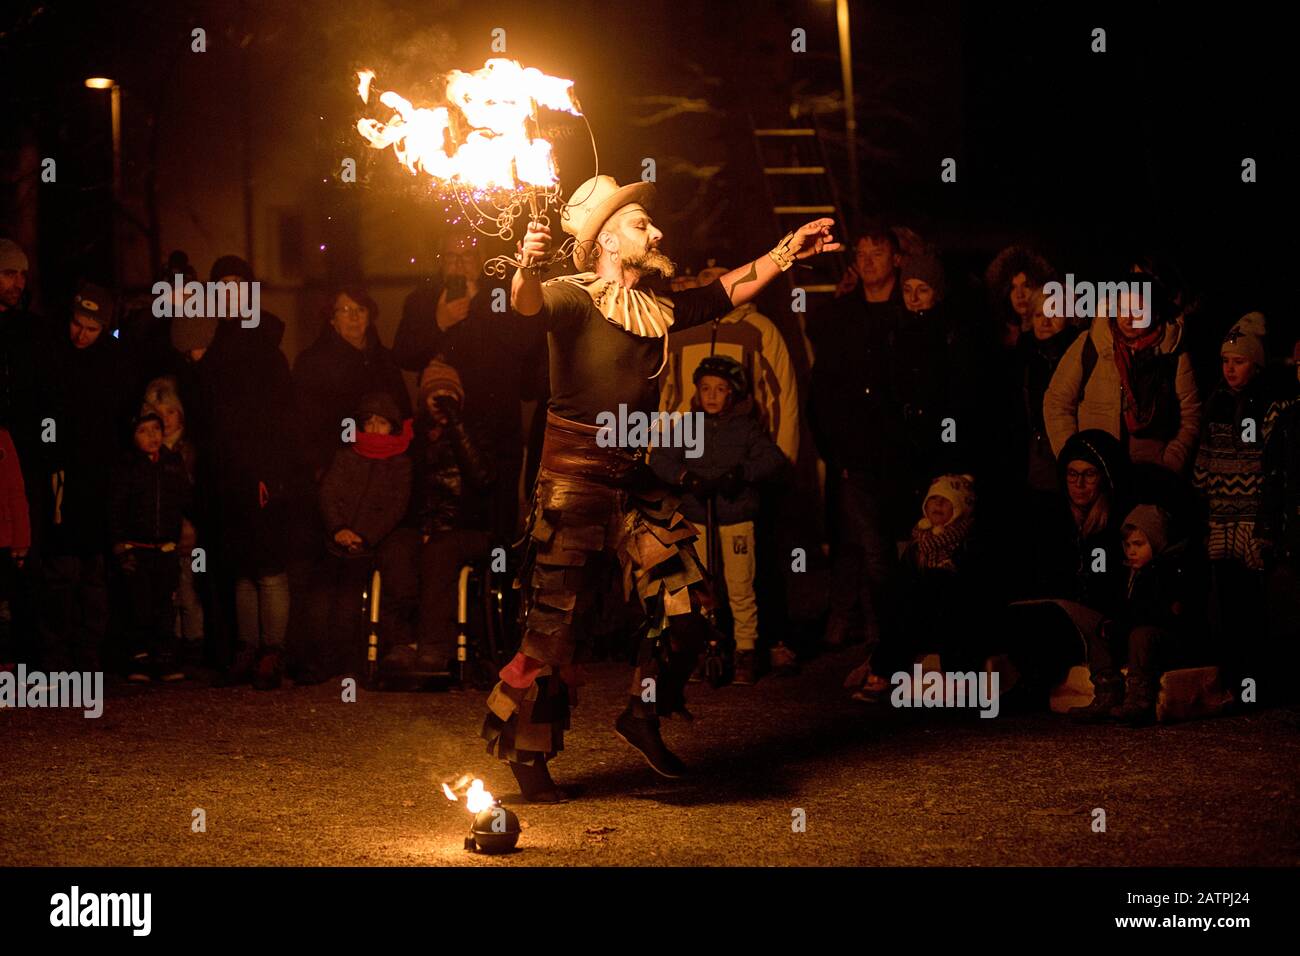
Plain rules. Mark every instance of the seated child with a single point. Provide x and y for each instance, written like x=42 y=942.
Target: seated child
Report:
x=149 y=497
x=936 y=603
x=737 y=453
x=446 y=527
x=1148 y=631
x=363 y=495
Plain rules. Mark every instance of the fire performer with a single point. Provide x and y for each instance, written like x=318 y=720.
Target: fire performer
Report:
x=595 y=502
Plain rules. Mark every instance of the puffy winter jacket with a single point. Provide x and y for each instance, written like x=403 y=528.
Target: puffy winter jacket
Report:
x=148 y=498
x=366 y=495
x=731 y=439
x=453 y=478
x=1066 y=411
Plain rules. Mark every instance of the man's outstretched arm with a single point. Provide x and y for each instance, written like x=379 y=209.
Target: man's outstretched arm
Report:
x=745 y=283
x=526 y=288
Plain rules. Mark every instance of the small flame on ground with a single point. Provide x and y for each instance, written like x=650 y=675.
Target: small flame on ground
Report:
x=476 y=798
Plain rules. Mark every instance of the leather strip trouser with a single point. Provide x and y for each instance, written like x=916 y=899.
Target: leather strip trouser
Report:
x=596 y=510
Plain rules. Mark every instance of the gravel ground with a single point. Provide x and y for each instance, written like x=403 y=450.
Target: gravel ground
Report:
x=301 y=778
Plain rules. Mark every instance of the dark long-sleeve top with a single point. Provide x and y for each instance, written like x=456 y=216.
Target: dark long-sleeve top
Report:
x=596 y=366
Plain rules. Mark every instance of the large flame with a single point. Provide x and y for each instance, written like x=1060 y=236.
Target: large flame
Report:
x=485 y=136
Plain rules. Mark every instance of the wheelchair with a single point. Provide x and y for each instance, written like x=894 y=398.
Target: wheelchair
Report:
x=487 y=635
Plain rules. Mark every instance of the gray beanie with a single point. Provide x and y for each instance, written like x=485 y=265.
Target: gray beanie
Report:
x=927 y=268
x=1152 y=522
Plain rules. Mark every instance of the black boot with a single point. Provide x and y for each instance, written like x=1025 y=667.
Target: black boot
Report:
x=1139 y=707
x=1108 y=694
x=535 y=783
x=643 y=734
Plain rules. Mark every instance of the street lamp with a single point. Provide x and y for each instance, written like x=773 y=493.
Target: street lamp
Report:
x=850 y=114
x=115 y=102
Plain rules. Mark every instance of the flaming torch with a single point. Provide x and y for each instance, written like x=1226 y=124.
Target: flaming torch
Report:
x=494 y=828
x=483 y=145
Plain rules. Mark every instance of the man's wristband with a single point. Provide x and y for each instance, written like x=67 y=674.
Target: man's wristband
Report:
x=532 y=272
x=782 y=254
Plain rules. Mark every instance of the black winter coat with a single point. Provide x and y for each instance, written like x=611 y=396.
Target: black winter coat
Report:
x=28 y=390
x=148 y=498
x=1279 y=509
x=330 y=379
x=1161 y=594
x=97 y=400
x=884 y=381
x=366 y=495
x=453 y=480
x=732 y=439
x=240 y=413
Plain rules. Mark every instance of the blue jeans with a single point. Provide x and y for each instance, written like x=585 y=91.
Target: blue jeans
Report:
x=262 y=611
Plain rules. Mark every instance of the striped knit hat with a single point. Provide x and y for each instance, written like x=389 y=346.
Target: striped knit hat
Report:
x=439 y=378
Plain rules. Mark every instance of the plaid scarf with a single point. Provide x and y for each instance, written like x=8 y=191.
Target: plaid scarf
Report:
x=1138 y=375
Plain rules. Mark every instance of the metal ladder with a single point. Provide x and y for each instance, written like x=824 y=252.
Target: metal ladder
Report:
x=799 y=187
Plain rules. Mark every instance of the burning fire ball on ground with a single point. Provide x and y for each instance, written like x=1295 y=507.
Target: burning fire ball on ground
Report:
x=494 y=829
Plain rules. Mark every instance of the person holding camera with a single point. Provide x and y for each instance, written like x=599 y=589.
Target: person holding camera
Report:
x=464 y=318
x=446 y=526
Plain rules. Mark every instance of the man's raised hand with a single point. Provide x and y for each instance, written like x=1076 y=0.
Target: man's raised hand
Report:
x=814 y=238
x=536 y=245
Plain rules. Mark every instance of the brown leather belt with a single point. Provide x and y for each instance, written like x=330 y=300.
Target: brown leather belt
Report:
x=570 y=448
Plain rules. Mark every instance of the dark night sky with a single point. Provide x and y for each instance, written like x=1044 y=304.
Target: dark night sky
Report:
x=1090 y=154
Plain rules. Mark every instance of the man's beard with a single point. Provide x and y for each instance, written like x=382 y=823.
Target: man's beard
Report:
x=651 y=260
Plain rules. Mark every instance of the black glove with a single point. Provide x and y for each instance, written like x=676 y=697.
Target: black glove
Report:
x=730 y=483
x=695 y=485
x=448 y=408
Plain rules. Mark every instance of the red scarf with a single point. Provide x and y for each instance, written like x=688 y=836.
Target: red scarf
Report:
x=1139 y=392
x=372 y=445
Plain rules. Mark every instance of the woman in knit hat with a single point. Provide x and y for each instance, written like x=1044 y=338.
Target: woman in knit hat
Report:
x=1229 y=473
x=1227 y=469
x=923 y=283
